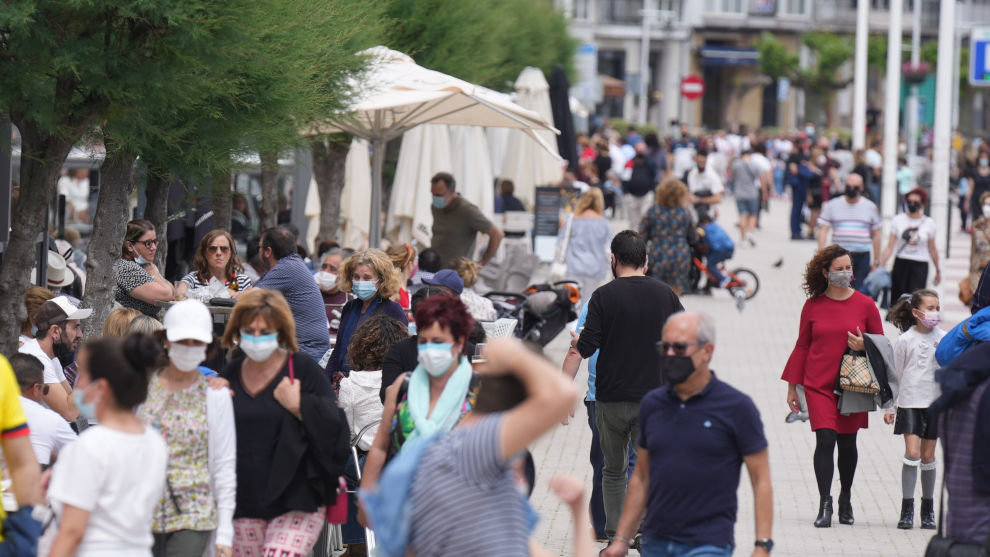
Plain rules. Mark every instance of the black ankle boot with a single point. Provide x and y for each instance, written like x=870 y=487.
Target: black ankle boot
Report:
x=845 y=509
x=927 y=514
x=907 y=514
x=824 y=519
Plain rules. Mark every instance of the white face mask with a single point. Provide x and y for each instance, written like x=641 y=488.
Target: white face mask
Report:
x=986 y=211
x=436 y=359
x=186 y=358
x=325 y=281
x=260 y=348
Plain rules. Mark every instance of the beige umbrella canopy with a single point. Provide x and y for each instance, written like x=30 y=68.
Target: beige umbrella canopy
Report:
x=525 y=166
x=395 y=95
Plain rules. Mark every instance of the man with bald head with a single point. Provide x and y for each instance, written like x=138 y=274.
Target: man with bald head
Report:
x=696 y=432
x=854 y=223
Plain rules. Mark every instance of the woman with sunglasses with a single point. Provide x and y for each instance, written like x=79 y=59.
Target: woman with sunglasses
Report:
x=138 y=283
x=216 y=258
x=292 y=437
x=834 y=318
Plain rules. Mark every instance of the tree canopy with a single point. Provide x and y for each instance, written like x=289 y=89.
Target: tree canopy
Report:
x=484 y=42
x=828 y=52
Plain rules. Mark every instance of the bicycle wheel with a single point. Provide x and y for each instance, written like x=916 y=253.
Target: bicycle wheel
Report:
x=745 y=280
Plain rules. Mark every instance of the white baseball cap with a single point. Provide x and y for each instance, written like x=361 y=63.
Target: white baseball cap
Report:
x=188 y=319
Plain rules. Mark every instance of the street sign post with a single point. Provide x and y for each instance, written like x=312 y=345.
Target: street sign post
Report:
x=692 y=87
x=979 y=57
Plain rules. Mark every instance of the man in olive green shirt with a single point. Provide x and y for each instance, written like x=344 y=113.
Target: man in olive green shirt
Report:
x=457 y=222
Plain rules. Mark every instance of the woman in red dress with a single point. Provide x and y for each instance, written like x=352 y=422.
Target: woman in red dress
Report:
x=834 y=318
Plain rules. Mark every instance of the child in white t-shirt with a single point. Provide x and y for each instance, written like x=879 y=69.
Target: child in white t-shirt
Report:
x=914 y=386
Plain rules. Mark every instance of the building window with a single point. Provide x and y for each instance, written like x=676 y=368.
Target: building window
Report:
x=796 y=7
x=579 y=9
x=725 y=6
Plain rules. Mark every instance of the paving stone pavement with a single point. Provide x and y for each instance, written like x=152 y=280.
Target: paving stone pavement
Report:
x=751 y=350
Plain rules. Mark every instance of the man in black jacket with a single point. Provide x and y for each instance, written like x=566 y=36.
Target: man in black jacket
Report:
x=625 y=321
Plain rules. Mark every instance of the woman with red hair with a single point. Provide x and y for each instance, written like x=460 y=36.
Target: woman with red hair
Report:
x=435 y=396
x=912 y=240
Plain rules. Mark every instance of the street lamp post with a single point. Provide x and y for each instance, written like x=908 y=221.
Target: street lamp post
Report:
x=859 y=75
x=644 y=60
x=890 y=111
x=913 y=101
x=944 y=101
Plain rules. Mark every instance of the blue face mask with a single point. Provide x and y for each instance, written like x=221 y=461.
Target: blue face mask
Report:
x=412 y=328
x=365 y=289
x=140 y=260
x=439 y=202
x=87 y=410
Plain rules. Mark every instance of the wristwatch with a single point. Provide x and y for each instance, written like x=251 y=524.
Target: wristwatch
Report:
x=765 y=544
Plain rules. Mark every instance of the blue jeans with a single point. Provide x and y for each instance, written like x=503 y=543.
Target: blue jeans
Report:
x=799 y=191
x=597 y=503
x=861 y=268
x=778 y=180
x=661 y=547
x=715 y=257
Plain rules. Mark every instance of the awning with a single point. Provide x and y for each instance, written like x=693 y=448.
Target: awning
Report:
x=612 y=86
x=729 y=56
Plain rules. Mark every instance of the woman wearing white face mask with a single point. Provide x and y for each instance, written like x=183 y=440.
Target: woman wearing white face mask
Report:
x=294 y=438
x=371 y=277
x=439 y=392
x=979 y=183
x=198 y=425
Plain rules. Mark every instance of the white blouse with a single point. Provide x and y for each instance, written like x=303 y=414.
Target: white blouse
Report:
x=913 y=381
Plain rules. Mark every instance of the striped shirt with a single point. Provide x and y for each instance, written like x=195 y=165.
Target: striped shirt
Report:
x=463 y=500
x=852 y=223
x=193 y=280
x=293 y=279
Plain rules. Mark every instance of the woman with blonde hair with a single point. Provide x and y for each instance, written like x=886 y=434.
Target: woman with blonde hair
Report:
x=479 y=307
x=669 y=230
x=403 y=257
x=118 y=321
x=216 y=258
x=293 y=438
x=586 y=234
x=369 y=275
x=33 y=298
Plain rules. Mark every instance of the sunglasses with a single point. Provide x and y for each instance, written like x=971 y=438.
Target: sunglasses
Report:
x=680 y=348
x=214 y=249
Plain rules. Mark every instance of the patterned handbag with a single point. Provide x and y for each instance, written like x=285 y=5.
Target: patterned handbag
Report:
x=854 y=374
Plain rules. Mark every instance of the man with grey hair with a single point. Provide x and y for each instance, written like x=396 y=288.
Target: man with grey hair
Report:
x=696 y=432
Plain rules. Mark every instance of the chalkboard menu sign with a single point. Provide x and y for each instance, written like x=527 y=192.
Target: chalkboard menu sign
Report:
x=549 y=200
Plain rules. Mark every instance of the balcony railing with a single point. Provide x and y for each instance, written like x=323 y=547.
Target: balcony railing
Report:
x=628 y=12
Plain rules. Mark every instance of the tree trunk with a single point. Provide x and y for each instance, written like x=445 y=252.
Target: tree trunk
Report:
x=221 y=200
x=156 y=210
x=41 y=160
x=329 y=166
x=269 y=190
x=109 y=224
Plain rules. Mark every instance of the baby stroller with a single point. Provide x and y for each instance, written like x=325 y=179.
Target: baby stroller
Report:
x=542 y=311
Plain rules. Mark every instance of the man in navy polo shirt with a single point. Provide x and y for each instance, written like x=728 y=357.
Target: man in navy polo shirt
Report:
x=695 y=434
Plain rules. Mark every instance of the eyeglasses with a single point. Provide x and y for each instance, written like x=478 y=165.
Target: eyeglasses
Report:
x=44 y=387
x=680 y=348
x=214 y=249
x=148 y=244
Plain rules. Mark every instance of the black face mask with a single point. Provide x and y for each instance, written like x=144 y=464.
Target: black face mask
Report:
x=614 y=275
x=914 y=207
x=675 y=370
x=852 y=193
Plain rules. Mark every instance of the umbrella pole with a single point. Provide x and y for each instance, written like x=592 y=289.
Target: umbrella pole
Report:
x=377 y=158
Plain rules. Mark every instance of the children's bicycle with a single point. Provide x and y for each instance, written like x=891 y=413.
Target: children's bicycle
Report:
x=742 y=281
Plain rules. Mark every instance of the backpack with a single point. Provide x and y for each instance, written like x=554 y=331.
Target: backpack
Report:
x=641 y=181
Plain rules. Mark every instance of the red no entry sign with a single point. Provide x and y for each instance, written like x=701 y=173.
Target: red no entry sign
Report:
x=692 y=87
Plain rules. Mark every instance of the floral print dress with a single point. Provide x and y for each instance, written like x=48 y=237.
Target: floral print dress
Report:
x=666 y=231
x=180 y=417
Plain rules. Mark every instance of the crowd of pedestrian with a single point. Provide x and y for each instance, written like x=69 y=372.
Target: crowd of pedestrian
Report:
x=185 y=437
